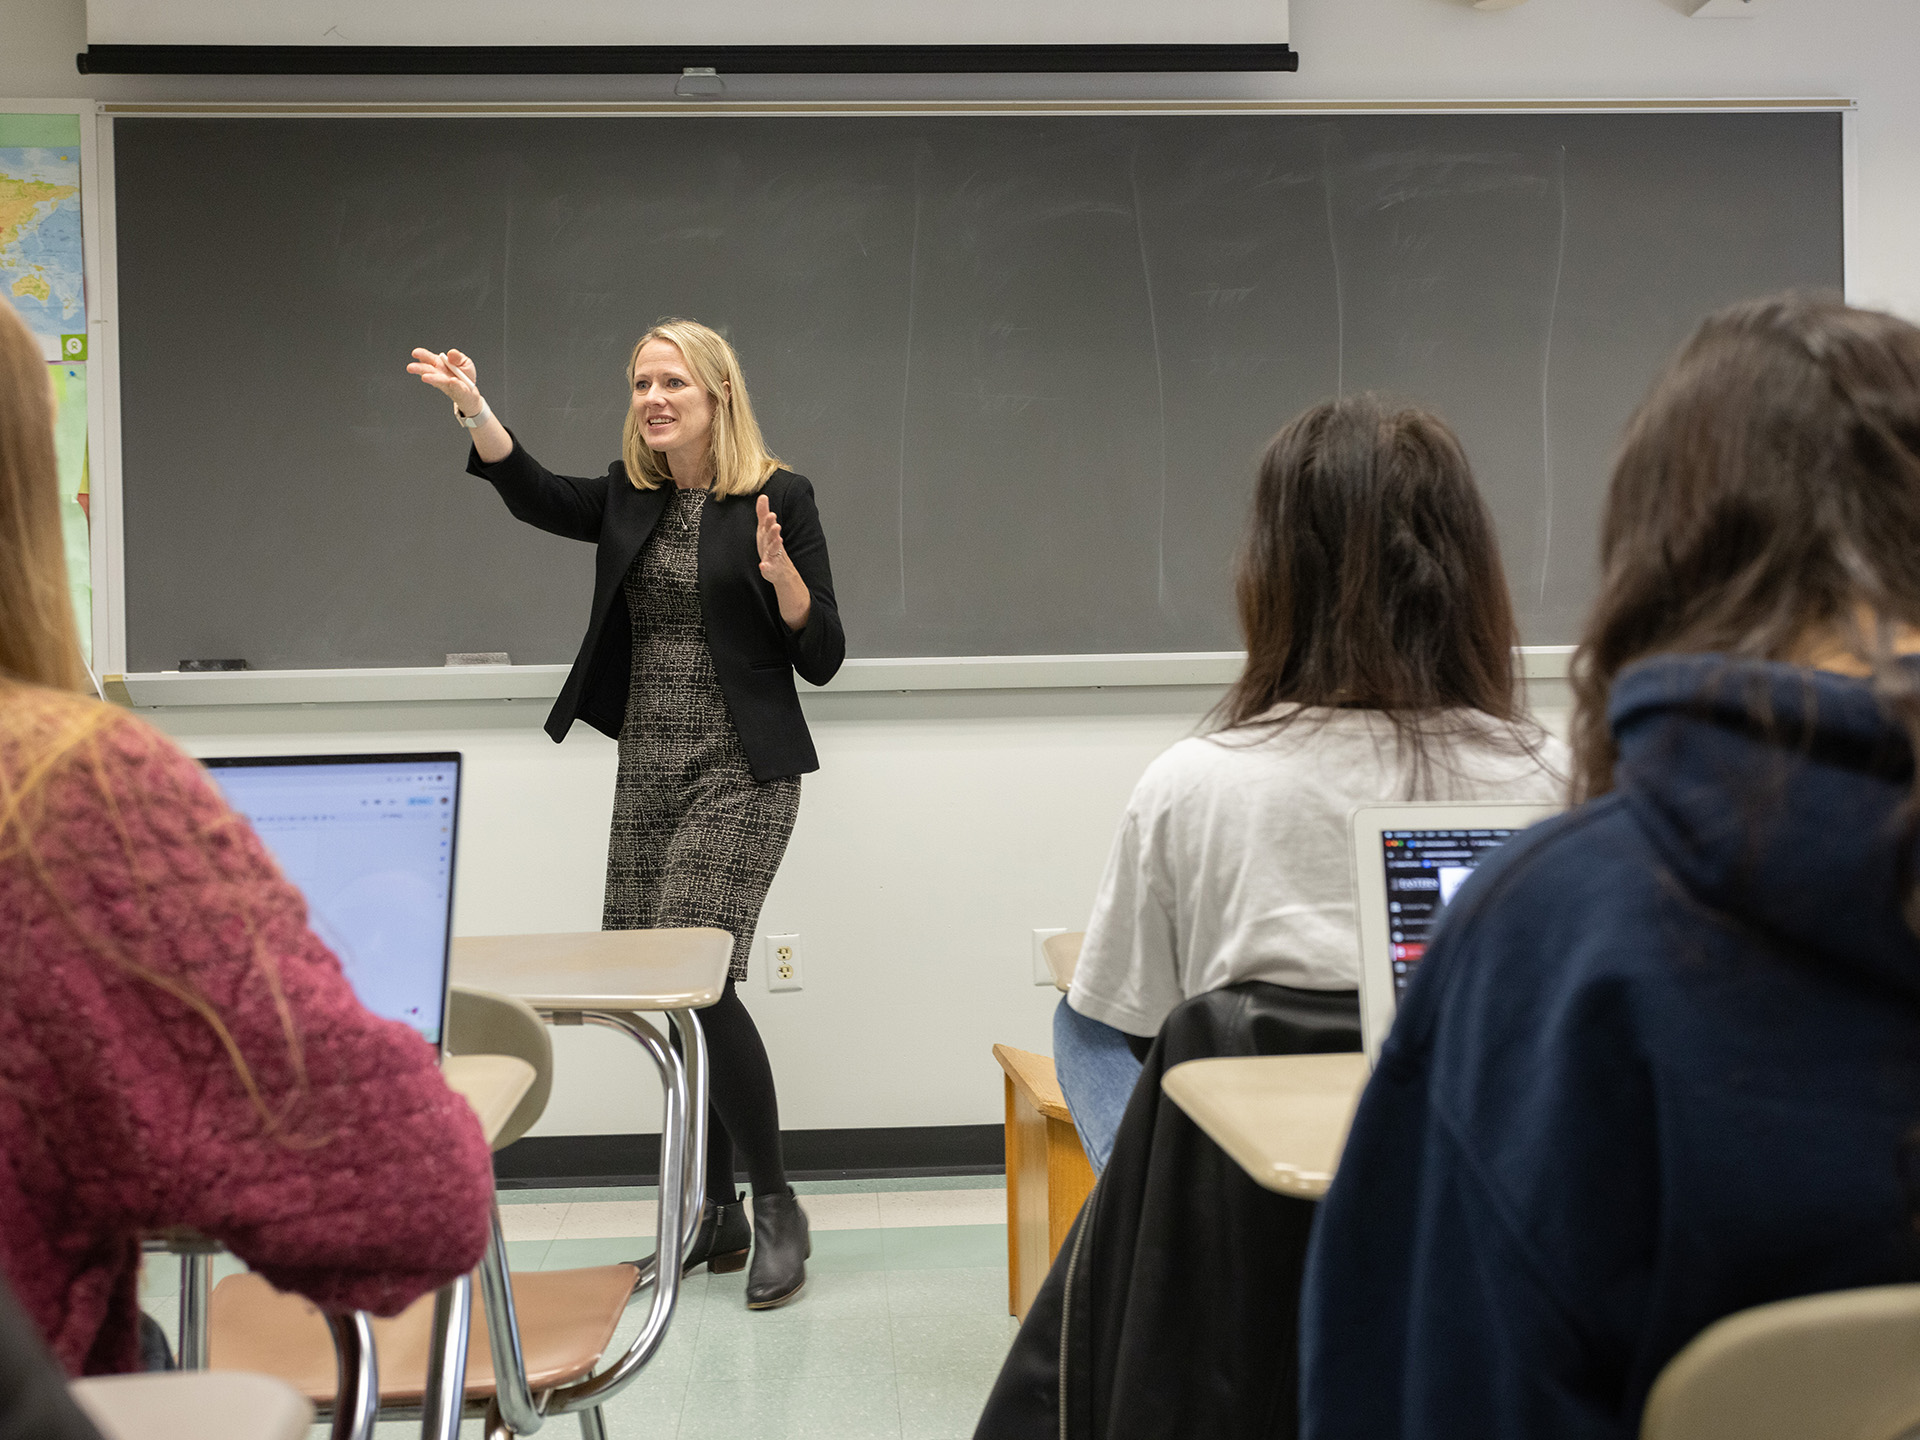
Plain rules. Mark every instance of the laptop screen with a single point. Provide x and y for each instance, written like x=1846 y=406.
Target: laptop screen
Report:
x=369 y=840
x=1424 y=870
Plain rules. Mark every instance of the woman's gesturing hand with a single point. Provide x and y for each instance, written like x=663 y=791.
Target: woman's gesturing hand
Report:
x=452 y=374
x=776 y=568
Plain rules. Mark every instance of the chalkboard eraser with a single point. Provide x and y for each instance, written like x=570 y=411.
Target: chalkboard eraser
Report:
x=188 y=667
x=480 y=657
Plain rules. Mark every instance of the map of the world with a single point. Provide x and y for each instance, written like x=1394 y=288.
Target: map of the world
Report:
x=42 y=277
x=40 y=270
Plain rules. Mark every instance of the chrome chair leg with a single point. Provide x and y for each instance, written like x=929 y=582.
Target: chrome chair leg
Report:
x=514 y=1409
x=356 y=1403
x=693 y=1048
x=447 y=1361
x=671 y=1235
x=513 y=1398
x=196 y=1291
x=691 y=1045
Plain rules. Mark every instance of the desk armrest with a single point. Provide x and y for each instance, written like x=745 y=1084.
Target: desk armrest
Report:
x=492 y=1084
x=1032 y=1076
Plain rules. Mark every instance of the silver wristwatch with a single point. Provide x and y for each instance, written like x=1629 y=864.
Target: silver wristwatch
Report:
x=472 y=422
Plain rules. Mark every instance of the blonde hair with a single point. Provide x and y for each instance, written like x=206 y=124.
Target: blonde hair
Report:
x=39 y=642
x=741 y=460
x=50 y=734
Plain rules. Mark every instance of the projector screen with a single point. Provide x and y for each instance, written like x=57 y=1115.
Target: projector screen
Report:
x=726 y=22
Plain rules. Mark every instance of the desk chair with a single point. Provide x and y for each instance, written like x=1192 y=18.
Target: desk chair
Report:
x=336 y=1361
x=1842 y=1366
x=478 y=1023
x=1048 y=1175
x=552 y=1326
x=356 y=1378
x=537 y=1340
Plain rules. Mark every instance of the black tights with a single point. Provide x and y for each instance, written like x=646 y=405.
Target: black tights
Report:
x=744 y=1115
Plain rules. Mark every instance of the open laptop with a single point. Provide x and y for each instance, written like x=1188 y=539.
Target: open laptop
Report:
x=1408 y=861
x=370 y=841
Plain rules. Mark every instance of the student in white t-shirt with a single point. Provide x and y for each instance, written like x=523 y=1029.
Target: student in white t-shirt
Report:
x=1379 y=637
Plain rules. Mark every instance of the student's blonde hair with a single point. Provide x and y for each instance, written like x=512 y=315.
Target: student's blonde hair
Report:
x=741 y=460
x=51 y=734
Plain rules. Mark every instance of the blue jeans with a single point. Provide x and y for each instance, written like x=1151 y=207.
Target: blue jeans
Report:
x=1096 y=1072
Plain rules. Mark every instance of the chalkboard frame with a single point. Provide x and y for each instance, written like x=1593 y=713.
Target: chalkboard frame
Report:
x=358 y=685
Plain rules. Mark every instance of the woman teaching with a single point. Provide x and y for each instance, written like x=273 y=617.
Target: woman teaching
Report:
x=711 y=591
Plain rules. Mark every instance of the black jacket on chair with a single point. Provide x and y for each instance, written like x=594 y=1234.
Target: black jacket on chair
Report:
x=1174 y=1306
x=755 y=655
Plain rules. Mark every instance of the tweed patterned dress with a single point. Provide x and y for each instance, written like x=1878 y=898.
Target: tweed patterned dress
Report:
x=696 y=839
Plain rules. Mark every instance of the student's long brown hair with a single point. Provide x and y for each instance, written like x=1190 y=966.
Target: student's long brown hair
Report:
x=1370 y=579
x=47 y=731
x=38 y=641
x=1767 y=493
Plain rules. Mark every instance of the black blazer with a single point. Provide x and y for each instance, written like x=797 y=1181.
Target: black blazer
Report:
x=755 y=655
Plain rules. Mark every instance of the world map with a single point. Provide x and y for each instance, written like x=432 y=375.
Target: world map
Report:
x=40 y=266
x=41 y=276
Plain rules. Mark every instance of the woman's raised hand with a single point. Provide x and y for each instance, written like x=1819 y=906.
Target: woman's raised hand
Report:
x=776 y=568
x=452 y=374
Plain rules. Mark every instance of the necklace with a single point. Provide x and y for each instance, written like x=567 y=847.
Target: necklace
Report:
x=685 y=515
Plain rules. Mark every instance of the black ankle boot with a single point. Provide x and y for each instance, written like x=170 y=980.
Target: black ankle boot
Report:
x=781 y=1246
x=720 y=1244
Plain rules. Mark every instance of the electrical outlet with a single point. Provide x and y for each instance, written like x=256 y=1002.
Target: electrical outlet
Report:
x=783 y=962
x=1042 y=975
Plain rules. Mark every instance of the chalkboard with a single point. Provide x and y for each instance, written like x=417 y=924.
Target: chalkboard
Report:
x=1029 y=361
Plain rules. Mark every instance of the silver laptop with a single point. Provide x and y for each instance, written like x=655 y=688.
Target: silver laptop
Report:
x=370 y=841
x=1408 y=862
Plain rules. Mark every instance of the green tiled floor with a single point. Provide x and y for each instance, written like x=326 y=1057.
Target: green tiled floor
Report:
x=898 y=1335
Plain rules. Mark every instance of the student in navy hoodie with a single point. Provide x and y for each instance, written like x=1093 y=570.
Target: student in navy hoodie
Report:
x=1663 y=1061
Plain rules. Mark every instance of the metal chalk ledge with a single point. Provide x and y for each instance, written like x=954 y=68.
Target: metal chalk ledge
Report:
x=403 y=684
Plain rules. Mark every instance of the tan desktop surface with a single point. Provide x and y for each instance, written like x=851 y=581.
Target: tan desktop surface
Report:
x=1283 y=1118
x=681 y=969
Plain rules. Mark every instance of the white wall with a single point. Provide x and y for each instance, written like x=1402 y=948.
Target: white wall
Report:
x=942 y=829
x=938 y=833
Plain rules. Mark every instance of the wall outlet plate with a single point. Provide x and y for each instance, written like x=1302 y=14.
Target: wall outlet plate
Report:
x=1041 y=974
x=783 y=962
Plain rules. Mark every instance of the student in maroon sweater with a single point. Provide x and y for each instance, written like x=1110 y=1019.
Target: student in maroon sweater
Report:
x=176 y=1046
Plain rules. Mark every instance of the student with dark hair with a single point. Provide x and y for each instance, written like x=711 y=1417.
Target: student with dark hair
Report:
x=1379 y=666
x=1662 y=1062
x=1379 y=637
